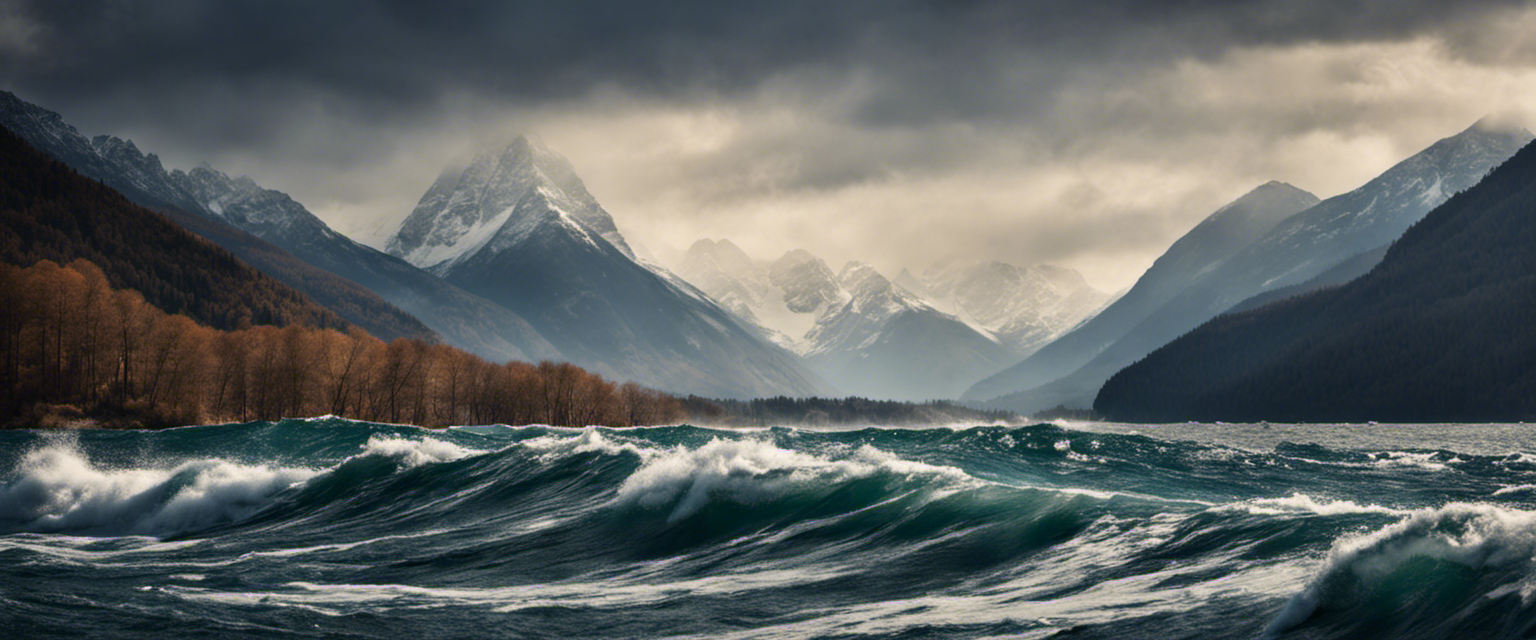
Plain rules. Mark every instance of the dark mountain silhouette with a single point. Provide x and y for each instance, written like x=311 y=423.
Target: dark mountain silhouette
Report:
x=1296 y=250
x=1444 y=329
x=1220 y=236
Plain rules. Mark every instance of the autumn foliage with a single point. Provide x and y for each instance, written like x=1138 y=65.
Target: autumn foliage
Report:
x=68 y=339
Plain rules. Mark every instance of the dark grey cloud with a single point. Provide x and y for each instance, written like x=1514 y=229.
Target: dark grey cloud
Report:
x=396 y=58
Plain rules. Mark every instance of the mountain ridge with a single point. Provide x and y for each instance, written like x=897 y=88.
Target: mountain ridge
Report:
x=1300 y=247
x=1438 y=331
x=1212 y=241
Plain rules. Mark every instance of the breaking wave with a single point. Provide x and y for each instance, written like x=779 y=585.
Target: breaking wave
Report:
x=382 y=530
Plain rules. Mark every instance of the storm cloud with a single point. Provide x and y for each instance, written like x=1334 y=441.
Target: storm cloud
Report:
x=898 y=132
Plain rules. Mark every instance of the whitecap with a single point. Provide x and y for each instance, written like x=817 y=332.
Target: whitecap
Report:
x=753 y=471
x=414 y=453
x=1302 y=503
x=1471 y=535
x=56 y=488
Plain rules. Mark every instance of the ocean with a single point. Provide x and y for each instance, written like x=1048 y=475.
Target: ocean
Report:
x=331 y=528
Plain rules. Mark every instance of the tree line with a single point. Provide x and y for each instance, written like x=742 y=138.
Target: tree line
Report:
x=71 y=344
x=813 y=412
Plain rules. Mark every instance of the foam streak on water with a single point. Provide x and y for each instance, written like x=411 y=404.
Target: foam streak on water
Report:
x=333 y=528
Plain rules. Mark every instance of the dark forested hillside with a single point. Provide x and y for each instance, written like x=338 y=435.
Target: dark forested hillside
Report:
x=348 y=299
x=48 y=212
x=1444 y=329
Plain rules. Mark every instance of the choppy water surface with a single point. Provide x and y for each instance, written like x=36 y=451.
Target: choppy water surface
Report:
x=332 y=528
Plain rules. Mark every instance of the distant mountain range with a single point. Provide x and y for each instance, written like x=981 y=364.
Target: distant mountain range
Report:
x=1294 y=249
x=1022 y=307
x=1442 y=330
x=873 y=337
x=519 y=228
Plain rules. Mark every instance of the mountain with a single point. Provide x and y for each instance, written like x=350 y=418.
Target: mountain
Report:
x=467 y=321
x=863 y=332
x=50 y=212
x=1023 y=307
x=468 y=205
x=808 y=284
x=1298 y=249
x=881 y=341
x=464 y=320
x=1442 y=330
x=1218 y=237
x=346 y=298
x=783 y=299
x=731 y=278
x=1341 y=273
x=519 y=228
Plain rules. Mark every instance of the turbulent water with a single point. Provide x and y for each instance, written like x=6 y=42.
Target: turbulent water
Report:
x=336 y=529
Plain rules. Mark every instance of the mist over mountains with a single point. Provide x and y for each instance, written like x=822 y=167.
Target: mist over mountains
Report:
x=873 y=336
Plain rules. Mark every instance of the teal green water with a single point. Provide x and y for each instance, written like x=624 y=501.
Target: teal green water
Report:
x=329 y=528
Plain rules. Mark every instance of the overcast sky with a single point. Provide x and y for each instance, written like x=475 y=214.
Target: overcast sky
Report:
x=1084 y=133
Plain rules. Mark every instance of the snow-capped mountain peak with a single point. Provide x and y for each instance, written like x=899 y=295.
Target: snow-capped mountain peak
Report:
x=494 y=200
x=517 y=226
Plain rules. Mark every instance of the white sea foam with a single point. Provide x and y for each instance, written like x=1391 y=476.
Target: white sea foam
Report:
x=1516 y=489
x=1518 y=460
x=1472 y=535
x=56 y=488
x=335 y=599
x=414 y=453
x=753 y=471
x=341 y=546
x=587 y=440
x=1302 y=503
x=1401 y=459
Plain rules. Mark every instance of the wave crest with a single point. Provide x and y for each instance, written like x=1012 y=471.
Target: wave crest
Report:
x=752 y=471
x=414 y=453
x=1431 y=574
x=56 y=488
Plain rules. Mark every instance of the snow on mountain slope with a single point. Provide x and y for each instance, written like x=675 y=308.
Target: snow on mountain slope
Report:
x=1024 y=307
x=467 y=206
x=880 y=340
